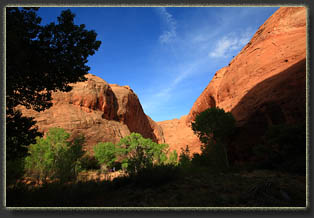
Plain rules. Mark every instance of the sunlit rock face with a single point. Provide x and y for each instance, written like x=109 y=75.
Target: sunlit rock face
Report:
x=99 y=111
x=130 y=112
x=264 y=84
x=178 y=135
x=277 y=51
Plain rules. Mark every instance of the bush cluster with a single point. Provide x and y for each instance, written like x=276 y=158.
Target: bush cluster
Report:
x=54 y=157
x=133 y=153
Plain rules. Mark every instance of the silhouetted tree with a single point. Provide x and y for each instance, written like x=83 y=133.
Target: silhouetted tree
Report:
x=184 y=158
x=213 y=127
x=19 y=134
x=39 y=60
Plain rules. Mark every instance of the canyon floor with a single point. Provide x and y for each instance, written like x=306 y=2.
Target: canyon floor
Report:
x=180 y=187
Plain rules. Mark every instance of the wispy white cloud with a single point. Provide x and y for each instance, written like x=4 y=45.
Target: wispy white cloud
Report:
x=169 y=33
x=230 y=43
x=191 y=67
x=164 y=92
x=186 y=56
x=168 y=90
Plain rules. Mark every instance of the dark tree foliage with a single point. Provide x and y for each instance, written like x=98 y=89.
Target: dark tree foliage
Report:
x=284 y=148
x=184 y=158
x=19 y=133
x=214 y=127
x=39 y=60
x=213 y=123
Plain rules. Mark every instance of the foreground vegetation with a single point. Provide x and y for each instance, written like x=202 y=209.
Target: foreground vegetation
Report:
x=170 y=187
x=147 y=174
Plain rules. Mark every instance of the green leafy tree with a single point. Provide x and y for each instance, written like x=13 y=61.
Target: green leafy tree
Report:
x=39 y=60
x=214 y=126
x=141 y=153
x=68 y=162
x=134 y=153
x=106 y=154
x=54 y=156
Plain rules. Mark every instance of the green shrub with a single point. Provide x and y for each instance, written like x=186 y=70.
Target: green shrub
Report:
x=55 y=157
x=138 y=153
x=133 y=153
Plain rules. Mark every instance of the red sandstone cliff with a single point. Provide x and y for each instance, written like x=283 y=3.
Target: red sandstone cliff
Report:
x=279 y=45
x=264 y=84
x=99 y=111
x=178 y=135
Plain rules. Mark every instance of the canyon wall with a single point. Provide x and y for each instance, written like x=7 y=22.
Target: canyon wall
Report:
x=264 y=84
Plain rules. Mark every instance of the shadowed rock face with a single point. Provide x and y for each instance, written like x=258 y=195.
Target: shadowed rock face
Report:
x=99 y=111
x=263 y=85
x=283 y=101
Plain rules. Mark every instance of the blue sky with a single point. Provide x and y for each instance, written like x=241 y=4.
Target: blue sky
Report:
x=167 y=55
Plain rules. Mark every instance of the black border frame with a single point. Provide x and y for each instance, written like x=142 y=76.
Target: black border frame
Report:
x=151 y=211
